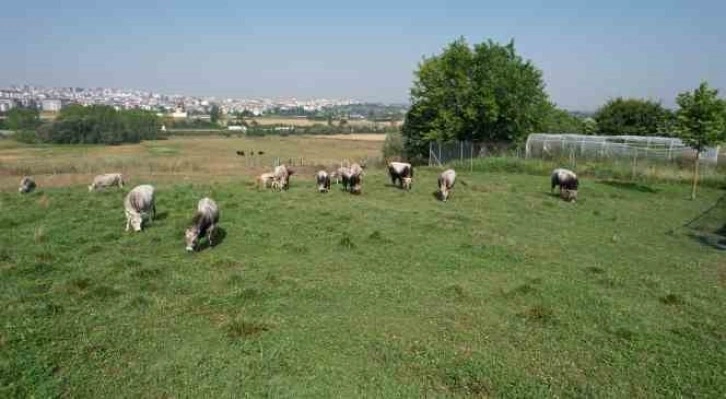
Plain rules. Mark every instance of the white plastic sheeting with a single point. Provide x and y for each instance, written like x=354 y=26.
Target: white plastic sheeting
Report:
x=543 y=145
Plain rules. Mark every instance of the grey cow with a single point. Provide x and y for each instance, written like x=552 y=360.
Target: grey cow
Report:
x=27 y=184
x=138 y=203
x=204 y=223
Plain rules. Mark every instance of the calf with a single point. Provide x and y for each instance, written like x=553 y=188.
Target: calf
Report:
x=323 y=181
x=268 y=180
x=401 y=172
x=204 y=223
x=107 y=180
x=567 y=181
x=137 y=203
x=446 y=182
x=27 y=184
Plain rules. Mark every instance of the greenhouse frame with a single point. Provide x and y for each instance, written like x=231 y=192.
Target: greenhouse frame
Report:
x=667 y=149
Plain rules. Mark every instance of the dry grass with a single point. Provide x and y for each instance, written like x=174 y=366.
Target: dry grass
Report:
x=309 y=122
x=176 y=159
x=355 y=137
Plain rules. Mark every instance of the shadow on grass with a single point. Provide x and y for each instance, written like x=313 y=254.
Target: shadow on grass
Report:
x=219 y=235
x=437 y=194
x=630 y=186
x=715 y=241
x=161 y=216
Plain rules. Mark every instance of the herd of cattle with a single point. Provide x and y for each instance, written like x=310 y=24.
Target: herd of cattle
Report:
x=139 y=203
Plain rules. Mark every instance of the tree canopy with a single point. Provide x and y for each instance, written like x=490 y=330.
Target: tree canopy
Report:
x=482 y=93
x=100 y=124
x=634 y=117
x=22 y=119
x=701 y=122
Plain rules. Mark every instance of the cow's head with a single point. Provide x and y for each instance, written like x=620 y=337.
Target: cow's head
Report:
x=136 y=221
x=407 y=183
x=569 y=195
x=191 y=235
x=444 y=191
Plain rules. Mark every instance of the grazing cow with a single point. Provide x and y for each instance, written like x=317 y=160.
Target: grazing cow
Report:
x=204 y=223
x=27 y=184
x=401 y=172
x=241 y=153
x=323 y=181
x=138 y=203
x=283 y=173
x=355 y=177
x=446 y=182
x=260 y=152
x=268 y=180
x=342 y=175
x=567 y=181
x=107 y=180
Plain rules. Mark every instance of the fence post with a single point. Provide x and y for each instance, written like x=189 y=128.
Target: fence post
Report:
x=431 y=148
x=439 y=144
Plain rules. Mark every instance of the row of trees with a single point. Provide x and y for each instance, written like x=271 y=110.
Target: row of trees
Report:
x=488 y=93
x=76 y=124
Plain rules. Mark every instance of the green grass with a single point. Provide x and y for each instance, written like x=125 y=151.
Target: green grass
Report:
x=503 y=291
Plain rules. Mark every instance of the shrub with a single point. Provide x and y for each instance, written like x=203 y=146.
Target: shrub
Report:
x=393 y=146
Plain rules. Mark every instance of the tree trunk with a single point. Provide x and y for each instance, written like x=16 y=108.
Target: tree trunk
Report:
x=695 y=175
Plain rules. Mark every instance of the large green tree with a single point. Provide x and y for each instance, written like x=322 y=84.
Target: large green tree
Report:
x=22 y=119
x=483 y=93
x=701 y=122
x=634 y=117
x=561 y=121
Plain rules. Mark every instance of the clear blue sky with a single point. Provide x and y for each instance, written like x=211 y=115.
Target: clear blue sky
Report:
x=361 y=49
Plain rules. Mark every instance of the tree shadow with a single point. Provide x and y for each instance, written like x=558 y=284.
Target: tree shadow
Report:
x=715 y=239
x=630 y=186
x=219 y=235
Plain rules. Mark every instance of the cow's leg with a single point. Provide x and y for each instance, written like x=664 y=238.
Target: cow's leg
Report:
x=128 y=222
x=210 y=234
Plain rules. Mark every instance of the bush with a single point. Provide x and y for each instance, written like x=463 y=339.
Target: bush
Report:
x=25 y=136
x=393 y=146
x=100 y=124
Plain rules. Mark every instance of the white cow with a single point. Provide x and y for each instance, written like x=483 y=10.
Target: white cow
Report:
x=139 y=202
x=323 y=181
x=107 y=180
x=446 y=182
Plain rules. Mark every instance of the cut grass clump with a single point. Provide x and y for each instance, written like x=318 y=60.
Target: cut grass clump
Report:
x=243 y=329
x=672 y=299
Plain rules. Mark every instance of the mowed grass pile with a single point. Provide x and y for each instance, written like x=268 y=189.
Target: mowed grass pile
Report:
x=502 y=291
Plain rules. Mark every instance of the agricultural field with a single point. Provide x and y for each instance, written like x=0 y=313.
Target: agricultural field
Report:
x=504 y=291
x=274 y=120
x=191 y=159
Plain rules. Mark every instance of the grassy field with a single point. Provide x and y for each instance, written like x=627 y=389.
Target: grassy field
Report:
x=189 y=159
x=504 y=291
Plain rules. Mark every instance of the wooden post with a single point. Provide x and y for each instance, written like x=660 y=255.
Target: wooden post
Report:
x=695 y=175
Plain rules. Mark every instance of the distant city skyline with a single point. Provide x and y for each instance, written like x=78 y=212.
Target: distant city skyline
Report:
x=367 y=51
